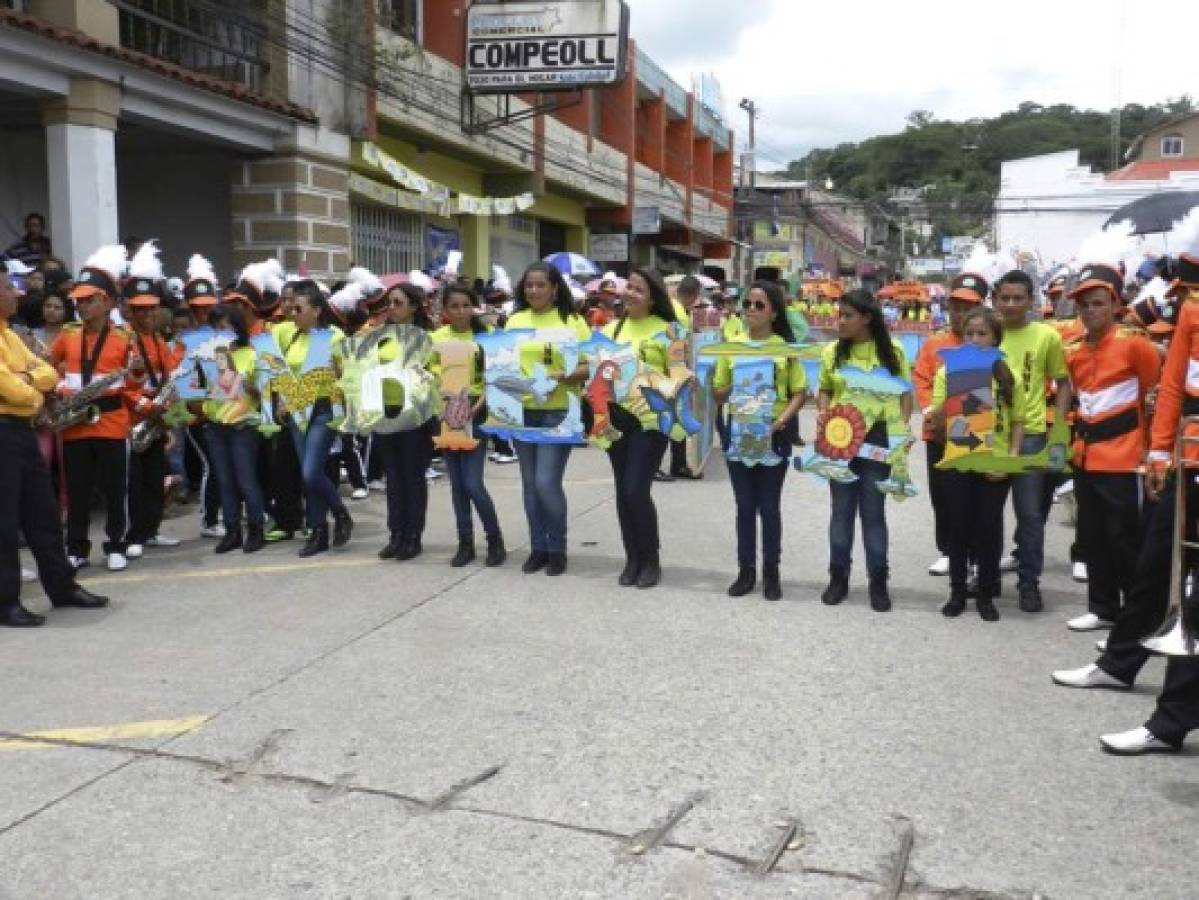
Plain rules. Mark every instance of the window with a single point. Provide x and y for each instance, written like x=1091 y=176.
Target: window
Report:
x=386 y=240
x=403 y=17
x=1172 y=145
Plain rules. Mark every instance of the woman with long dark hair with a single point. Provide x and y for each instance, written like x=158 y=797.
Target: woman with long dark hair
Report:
x=758 y=488
x=864 y=343
x=465 y=467
x=544 y=304
x=405 y=454
x=636 y=455
x=232 y=416
x=313 y=318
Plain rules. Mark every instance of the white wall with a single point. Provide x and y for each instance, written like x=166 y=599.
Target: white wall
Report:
x=183 y=199
x=23 y=187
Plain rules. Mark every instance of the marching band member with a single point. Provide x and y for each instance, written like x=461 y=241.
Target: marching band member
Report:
x=636 y=455
x=758 y=489
x=97 y=454
x=967 y=292
x=1112 y=368
x=312 y=314
x=466 y=467
x=405 y=454
x=544 y=303
x=864 y=342
x=148 y=469
x=974 y=501
x=201 y=293
x=1034 y=352
x=27 y=504
x=232 y=414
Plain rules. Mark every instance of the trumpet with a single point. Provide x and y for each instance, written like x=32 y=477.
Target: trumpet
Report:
x=60 y=413
x=1177 y=636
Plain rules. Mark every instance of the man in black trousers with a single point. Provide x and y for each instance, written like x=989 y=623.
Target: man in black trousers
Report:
x=27 y=503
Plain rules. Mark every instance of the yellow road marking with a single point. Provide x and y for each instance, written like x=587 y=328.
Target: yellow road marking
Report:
x=160 y=575
x=100 y=734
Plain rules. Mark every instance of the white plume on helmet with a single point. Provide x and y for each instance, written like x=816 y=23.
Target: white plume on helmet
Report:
x=1111 y=246
x=501 y=281
x=368 y=280
x=112 y=259
x=200 y=268
x=347 y=299
x=453 y=262
x=146 y=263
x=419 y=279
x=266 y=276
x=1183 y=236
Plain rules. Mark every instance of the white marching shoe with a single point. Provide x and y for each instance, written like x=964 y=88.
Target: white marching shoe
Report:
x=134 y=551
x=213 y=531
x=1088 y=677
x=940 y=567
x=1134 y=742
x=27 y=575
x=162 y=539
x=1089 y=622
x=1008 y=564
x=1101 y=645
x=1079 y=572
x=117 y=562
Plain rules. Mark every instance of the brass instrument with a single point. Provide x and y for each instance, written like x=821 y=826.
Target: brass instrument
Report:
x=59 y=413
x=35 y=344
x=1177 y=635
x=151 y=429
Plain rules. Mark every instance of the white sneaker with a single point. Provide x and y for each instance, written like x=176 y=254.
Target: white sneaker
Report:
x=504 y=459
x=494 y=456
x=78 y=562
x=1101 y=645
x=133 y=551
x=1063 y=490
x=940 y=567
x=1079 y=572
x=1008 y=564
x=213 y=531
x=27 y=575
x=1089 y=622
x=359 y=493
x=1088 y=677
x=1134 y=742
x=117 y=562
x=378 y=485
x=431 y=474
x=163 y=540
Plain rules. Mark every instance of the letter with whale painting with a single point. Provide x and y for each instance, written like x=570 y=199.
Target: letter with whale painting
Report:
x=506 y=386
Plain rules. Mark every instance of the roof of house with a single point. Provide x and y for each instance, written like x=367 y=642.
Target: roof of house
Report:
x=84 y=41
x=1153 y=169
x=1134 y=149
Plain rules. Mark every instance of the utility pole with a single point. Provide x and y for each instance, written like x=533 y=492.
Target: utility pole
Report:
x=750 y=161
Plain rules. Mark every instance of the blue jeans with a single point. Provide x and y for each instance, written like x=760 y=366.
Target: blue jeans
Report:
x=542 y=468
x=758 y=491
x=848 y=500
x=465 y=468
x=312 y=447
x=234 y=452
x=1029 y=505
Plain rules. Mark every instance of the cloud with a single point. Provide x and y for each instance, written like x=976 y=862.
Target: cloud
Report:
x=827 y=73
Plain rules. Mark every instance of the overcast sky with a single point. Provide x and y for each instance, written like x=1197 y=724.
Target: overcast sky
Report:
x=826 y=72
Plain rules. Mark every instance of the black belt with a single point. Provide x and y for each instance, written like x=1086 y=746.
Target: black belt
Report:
x=107 y=404
x=1106 y=430
x=26 y=421
x=1190 y=405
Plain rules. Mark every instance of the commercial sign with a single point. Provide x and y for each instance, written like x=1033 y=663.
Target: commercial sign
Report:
x=609 y=247
x=552 y=45
x=647 y=220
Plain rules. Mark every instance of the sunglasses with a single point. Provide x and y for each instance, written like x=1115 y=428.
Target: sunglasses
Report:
x=759 y=305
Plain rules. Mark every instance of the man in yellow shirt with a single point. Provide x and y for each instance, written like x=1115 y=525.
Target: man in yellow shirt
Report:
x=27 y=502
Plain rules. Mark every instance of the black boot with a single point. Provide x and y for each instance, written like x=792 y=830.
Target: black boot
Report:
x=255 y=539
x=496 y=553
x=393 y=546
x=465 y=554
x=838 y=587
x=651 y=571
x=536 y=562
x=772 y=588
x=632 y=565
x=956 y=604
x=318 y=541
x=343 y=527
x=880 y=600
x=556 y=563
x=747 y=577
x=14 y=615
x=231 y=540
x=986 y=610
x=410 y=549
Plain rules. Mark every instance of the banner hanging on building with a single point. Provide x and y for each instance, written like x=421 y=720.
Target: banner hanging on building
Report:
x=545 y=46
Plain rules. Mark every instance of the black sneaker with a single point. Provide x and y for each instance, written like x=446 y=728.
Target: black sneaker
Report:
x=837 y=590
x=535 y=563
x=555 y=563
x=986 y=610
x=880 y=599
x=956 y=605
x=747 y=577
x=1030 y=600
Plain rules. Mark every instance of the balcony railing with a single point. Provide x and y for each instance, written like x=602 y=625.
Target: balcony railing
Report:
x=213 y=37
x=655 y=80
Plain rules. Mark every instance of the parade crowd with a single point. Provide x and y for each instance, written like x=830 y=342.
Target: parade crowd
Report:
x=90 y=411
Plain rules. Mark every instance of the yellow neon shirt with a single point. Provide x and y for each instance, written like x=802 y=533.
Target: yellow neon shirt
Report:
x=1035 y=356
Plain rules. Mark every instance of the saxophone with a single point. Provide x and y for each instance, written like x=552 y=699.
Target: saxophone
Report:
x=150 y=429
x=59 y=413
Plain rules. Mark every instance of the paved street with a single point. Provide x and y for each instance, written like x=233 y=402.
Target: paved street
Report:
x=267 y=727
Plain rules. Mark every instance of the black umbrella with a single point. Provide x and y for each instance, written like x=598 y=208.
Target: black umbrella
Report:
x=1157 y=212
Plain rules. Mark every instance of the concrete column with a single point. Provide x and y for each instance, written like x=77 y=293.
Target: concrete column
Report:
x=576 y=239
x=82 y=170
x=476 y=246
